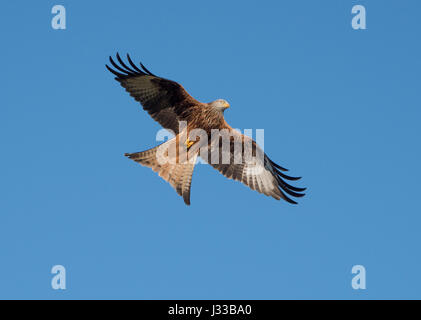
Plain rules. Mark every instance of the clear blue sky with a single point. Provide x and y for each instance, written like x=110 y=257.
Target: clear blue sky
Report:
x=339 y=107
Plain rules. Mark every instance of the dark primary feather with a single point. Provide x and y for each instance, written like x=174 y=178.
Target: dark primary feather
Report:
x=269 y=181
x=134 y=66
x=165 y=100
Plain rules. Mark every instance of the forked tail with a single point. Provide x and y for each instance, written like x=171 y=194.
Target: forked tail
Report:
x=178 y=174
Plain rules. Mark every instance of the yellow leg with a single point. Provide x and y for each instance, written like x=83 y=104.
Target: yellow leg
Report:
x=189 y=143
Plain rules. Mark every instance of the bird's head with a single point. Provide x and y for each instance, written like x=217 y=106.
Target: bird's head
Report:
x=220 y=104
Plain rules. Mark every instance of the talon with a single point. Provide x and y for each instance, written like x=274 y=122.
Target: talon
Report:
x=189 y=143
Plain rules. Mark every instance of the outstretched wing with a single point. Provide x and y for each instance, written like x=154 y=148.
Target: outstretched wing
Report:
x=258 y=173
x=166 y=101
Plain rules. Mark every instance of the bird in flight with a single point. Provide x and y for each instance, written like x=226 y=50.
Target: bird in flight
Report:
x=169 y=104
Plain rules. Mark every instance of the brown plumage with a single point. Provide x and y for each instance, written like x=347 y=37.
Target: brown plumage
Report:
x=169 y=103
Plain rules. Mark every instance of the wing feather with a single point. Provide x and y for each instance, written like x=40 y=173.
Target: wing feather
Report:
x=165 y=100
x=260 y=173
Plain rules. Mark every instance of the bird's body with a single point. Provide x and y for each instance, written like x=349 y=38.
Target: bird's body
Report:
x=169 y=103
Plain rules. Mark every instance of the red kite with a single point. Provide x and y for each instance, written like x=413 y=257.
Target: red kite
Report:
x=169 y=104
